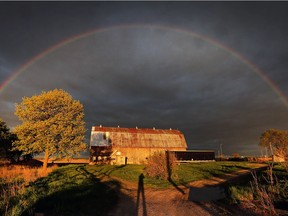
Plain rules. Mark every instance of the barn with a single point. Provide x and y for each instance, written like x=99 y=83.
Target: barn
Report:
x=132 y=145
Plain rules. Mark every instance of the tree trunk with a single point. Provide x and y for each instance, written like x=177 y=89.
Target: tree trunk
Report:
x=45 y=162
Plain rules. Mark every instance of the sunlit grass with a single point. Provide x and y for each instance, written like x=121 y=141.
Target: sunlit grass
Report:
x=28 y=174
x=129 y=173
x=184 y=174
x=198 y=171
x=13 y=182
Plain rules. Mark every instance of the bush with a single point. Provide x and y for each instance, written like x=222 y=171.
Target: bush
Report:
x=239 y=193
x=161 y=165
x=266 y=192
x=9 y=193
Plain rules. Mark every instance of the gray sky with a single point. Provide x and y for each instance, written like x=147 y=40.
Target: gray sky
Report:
x=154 y=64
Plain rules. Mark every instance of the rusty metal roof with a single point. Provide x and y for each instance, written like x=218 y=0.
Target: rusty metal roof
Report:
x=135 y=130
x=140 y=138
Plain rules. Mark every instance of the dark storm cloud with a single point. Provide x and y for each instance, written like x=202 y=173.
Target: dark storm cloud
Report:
x=4 y=69
x=154 y=77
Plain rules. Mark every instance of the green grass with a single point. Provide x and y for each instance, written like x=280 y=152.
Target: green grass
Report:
x=184 y=173
x=129 y=173
x=197 y=171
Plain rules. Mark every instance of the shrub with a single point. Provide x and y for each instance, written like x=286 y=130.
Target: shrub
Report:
x=264 y=194
x=161 y=165
x=9 y=192
x=238 y=194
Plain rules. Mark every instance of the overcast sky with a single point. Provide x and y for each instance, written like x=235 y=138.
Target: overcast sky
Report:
x=180 y=65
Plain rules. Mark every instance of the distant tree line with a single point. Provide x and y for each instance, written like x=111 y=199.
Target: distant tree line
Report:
x=6 y=140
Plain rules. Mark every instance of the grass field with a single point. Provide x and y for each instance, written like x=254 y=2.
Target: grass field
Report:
x=197 y=171
x=184 y=173
x=73 y=189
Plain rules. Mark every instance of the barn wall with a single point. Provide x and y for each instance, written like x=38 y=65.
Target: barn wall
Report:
x=138 y=155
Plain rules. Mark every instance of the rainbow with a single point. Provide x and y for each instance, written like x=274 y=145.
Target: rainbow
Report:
x=214 y=42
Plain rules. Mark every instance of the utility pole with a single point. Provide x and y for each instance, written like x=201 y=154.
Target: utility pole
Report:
x=221 y=152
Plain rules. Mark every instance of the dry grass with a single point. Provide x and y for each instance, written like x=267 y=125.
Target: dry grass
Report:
x=265 y=197
x=66 y=160
x=28 y=174
x=14 y=178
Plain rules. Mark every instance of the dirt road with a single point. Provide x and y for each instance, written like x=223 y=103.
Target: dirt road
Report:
x=174 y=201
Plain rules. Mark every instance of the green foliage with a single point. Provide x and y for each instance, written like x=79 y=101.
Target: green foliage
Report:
x=240 y=193
x=280 y=182
x=52 y=122
x=263 y=190
x=6 y=140
x=276 y=139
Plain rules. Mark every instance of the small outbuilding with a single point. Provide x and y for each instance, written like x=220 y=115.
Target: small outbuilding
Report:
x=132 y=145
x=194 y=155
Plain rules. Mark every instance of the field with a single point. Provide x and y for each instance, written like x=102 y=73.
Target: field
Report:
x=74 y=189
x=264 y=193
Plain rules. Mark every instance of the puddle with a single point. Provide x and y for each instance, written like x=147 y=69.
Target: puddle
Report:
x=206 y=193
